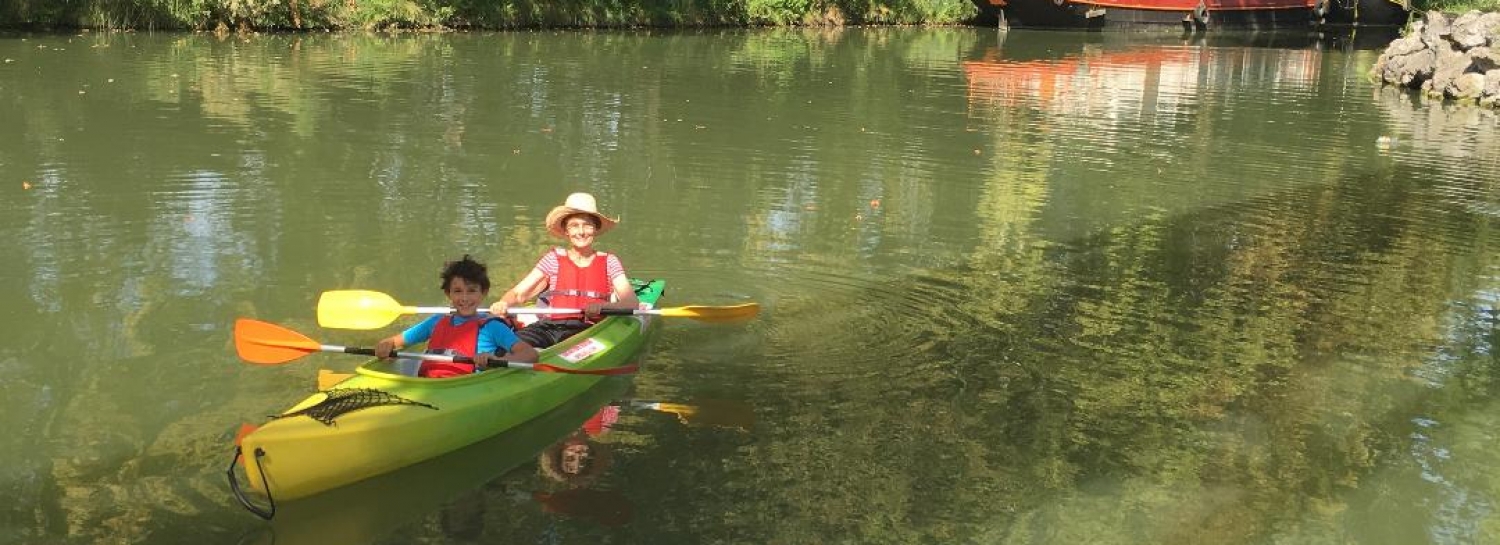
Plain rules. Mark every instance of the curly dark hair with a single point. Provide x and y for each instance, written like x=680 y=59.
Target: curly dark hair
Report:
x=466 y=268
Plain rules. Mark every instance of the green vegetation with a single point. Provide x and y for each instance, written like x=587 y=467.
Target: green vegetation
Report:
x=1060 y=353
x=439 y=14
x=1457 y=6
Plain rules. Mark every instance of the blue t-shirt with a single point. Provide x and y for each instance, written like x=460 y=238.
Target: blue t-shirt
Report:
x=494 y=337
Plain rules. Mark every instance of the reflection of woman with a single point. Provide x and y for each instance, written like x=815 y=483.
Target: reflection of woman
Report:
x=578 y=459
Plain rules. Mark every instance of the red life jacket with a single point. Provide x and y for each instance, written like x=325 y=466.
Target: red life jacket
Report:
x=576 y=286
x=601 y=421
x=456 y=340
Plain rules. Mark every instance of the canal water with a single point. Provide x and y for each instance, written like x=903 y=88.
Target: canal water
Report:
x=1016 y=287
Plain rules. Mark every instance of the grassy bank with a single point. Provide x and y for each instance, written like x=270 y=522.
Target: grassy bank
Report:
x=496 y=14
x=1458 y=6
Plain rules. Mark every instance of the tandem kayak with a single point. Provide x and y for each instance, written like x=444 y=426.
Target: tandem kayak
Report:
x=368 y=511
x=379 y=419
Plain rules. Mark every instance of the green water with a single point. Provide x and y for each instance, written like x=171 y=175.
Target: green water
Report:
x=1016 y=288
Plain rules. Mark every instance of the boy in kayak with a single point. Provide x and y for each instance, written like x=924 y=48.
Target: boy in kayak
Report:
x=575 y=277
x=464 y=332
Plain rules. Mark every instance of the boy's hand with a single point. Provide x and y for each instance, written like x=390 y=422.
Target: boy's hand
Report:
x=385 y=347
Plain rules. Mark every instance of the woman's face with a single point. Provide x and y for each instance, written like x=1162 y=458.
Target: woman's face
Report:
x=580 y=229
x=574 y=458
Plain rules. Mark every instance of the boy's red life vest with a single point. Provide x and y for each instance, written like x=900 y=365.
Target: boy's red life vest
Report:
x=455 y=340
x=576 y=286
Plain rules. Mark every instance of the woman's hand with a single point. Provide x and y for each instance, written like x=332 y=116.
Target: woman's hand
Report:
x=592 y=310
x=482 y=361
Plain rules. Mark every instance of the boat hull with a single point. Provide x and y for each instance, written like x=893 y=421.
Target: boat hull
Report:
x=295 y=455
x=369 y=510
x=1187 y=14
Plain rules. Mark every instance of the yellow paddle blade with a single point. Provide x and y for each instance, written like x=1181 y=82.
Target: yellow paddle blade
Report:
x=712 y=412
x=269 y=344
x=328 y=379
x=733 y=313
x=358 y=309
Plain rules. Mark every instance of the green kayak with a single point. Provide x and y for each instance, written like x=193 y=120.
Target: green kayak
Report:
x=379 y=419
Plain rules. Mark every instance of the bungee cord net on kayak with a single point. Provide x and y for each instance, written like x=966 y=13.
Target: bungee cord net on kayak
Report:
x=344 y=400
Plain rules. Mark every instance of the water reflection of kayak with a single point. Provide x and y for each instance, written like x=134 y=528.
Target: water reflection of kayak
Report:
x=368 y=511
x=380 y=420
x=603 y=507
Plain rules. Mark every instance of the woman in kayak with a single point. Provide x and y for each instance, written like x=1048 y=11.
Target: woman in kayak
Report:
x=575 y=277
x=464 y=332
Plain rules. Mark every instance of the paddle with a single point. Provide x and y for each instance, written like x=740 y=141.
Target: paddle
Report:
x=365 y=309
x=266 y=343
x=705 y=412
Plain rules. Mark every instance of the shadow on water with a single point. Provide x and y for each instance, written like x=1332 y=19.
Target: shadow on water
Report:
x=370 y=510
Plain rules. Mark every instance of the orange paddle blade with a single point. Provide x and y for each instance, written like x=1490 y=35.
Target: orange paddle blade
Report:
x=245 y=429
x=266 y=343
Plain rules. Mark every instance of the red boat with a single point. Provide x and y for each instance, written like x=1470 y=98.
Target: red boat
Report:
x=1189 y=14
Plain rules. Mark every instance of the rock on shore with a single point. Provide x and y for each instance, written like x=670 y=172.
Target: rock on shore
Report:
x=1455 y=57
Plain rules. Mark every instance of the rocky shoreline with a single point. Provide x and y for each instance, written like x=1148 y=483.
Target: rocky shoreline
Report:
x=1447 y=56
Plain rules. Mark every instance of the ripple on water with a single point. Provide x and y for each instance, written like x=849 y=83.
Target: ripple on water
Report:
x=838 y=328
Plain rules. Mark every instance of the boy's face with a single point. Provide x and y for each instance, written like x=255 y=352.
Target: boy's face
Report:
x=465 y=297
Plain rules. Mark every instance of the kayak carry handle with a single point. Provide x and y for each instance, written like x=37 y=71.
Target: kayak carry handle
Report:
x=234 y=485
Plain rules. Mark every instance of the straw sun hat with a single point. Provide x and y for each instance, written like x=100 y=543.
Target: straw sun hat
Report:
x=577 y=203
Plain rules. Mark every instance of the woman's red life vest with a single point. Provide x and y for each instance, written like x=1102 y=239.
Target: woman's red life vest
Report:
x=455 y=340
x=576 y=286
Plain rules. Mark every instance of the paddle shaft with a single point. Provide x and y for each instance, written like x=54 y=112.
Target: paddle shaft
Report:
x=427 y=357
x=539 y=310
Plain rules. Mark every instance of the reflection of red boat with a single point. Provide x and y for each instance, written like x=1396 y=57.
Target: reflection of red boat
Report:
x=1085 y=82
x=1104 y=85
x=1190 y=14
x=1196 y=14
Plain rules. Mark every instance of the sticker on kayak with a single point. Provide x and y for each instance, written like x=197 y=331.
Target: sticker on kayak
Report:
x=582 y=350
